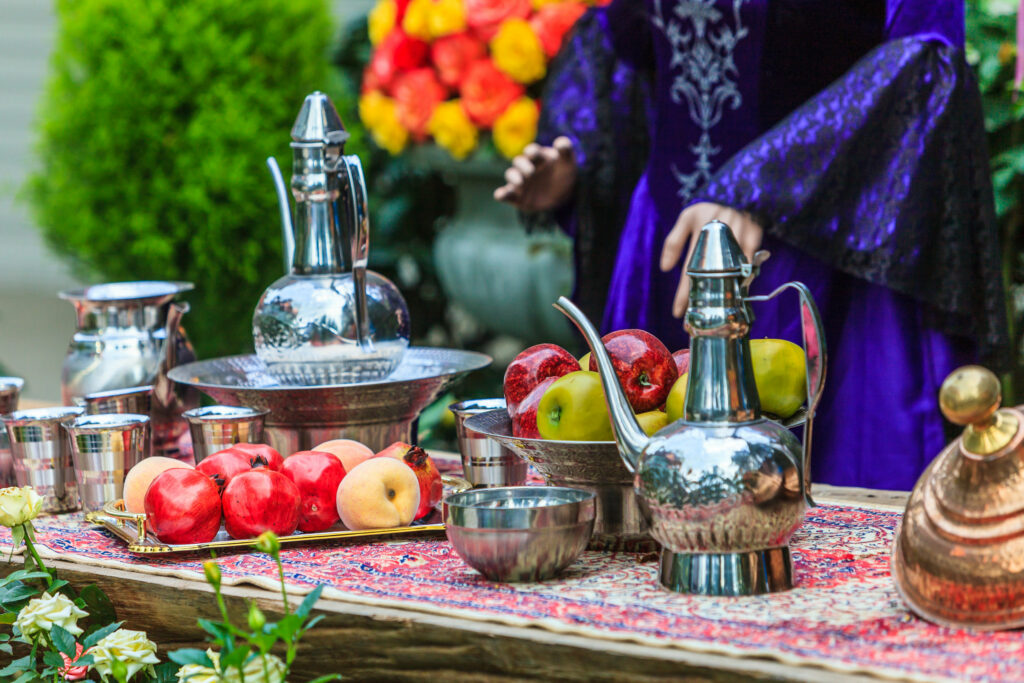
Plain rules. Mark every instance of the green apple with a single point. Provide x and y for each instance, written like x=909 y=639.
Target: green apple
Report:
x=585 y=361
x=652 y=421
x=573 y=409
x=676 y=399
x=780 y=372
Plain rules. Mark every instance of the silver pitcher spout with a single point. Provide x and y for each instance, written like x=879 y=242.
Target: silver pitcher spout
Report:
x=723 y=488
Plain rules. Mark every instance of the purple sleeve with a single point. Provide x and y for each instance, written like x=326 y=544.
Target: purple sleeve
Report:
x=937 y=20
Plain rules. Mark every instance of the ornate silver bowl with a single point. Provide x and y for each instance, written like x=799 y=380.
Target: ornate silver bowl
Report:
x=376 y=413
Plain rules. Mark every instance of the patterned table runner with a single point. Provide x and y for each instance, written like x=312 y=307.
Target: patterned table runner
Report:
x=844 y=615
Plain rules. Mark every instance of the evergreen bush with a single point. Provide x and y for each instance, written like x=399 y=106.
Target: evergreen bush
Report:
x=154 y=129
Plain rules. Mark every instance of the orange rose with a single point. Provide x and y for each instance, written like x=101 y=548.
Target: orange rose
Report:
x=453 y=54
x=484 y=16
x=396 y=53
x=417 y=94
x=487 y=92
x=552 y=22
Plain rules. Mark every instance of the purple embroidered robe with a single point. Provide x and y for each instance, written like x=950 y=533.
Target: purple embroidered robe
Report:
x=851 y=129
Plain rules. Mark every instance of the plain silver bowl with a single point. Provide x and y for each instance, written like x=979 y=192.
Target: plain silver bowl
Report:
x=520 y=533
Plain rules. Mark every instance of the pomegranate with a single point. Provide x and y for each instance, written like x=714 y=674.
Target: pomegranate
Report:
x=260 y=500
x=182 y=506
x=317 y=476
x=427 y=474
x=223 y=465
x=260 y=454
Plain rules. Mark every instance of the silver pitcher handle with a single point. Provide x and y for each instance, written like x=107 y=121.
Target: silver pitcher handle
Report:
x=359 y=244
x=287 y=231
x=817 y=360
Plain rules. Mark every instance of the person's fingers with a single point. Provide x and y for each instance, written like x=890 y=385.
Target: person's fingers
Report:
x=524 y=165
x=682 y=299
x=513 y=176
x=676 y=241
x=532 y=151
x=506 y=193
x=563 y=146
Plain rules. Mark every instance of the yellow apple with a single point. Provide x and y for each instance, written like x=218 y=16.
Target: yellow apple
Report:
x=573 y=409
x=676 y=399
x=652 y=421
x=780 y=372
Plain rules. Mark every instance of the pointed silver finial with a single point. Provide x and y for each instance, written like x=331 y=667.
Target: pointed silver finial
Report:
x=318 y=121
x=717 y=250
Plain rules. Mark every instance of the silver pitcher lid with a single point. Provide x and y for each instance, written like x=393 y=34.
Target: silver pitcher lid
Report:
x=318 y=121
x=717 y=251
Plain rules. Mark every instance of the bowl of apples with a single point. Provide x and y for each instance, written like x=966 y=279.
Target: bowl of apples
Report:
x=557 y=419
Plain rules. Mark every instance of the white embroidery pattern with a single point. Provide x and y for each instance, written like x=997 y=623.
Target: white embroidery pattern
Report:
x=702 y=57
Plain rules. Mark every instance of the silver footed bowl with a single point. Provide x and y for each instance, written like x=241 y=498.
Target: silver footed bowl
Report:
x=377 y=413
x=519 y=533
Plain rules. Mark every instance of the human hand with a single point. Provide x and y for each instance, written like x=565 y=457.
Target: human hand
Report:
x=747 y=231
x=541 y=178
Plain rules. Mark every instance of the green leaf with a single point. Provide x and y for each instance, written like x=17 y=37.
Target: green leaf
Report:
x=100 y=633
x=190 y=656
x=17 y=536
x=62 y=640
x=235 y=659
x=167 y=672
x=288 y=627
x=119 y=670
x=217 y=630
x=58 y=585
x=25 y=677
x=8 y=617
x=98 y=605
x=16 y=592
x=52 y=658
x=24 y=575
x=26 y=662
x=310 y=600
x=324 y=679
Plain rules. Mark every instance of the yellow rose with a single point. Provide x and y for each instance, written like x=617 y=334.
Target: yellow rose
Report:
x=416 y=21
x=381 y=20
x=447 y=17
x=516 y=127
x=378 y=113
x=265 y=669
x=451 y=128
x=40 y=614
x=517 y=51
x=371 y=106
x=131 y=648
x=537 y=4
x=19 y=505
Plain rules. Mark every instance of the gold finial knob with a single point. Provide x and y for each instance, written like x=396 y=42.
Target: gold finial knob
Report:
x=971 y=396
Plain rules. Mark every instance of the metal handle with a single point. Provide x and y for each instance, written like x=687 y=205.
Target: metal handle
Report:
x=287 y=231
x=817 y=355
x=359 y=243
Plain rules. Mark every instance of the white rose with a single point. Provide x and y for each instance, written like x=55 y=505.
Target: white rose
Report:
x=131 y=648
x=40 y=614
x=19 y=505
x=261 y=669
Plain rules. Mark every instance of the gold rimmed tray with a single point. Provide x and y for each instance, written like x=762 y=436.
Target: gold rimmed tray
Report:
x=131 y=528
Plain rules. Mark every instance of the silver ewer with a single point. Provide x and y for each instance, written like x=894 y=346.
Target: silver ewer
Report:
x=42 y=454
x=485 y=462
x=104 y=448
x=10 y=387
x=215 y=428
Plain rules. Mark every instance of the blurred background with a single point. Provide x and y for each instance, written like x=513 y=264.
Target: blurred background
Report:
x=132 y=145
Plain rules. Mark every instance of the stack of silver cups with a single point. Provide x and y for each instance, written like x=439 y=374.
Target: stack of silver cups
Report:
x=215 y=428
x=10 y=387
x=133 y=400
x=42 y=454
x=485 y=462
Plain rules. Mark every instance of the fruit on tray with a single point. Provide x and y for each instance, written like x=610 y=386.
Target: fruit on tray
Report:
x=317 y=476
x=378 y=494
x=138 y=479
x=652 y=421
x=223 y=465
x=585 y=361
x=260 y=500
x=780 y=372
x=524 y=416
x=644 y=365
x=259 y=453
x=182 y=506
x=573 y=409
x=533 y=366
x=350 y=452
x=682 y=359
x=427 y=474
x=676 y=399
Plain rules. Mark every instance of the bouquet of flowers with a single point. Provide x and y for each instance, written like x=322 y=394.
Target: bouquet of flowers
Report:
x=454 y=70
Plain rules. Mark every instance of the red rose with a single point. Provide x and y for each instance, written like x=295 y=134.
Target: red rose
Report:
x=552 y=22
x=486 y=92
x=485 y=16
x=453 y=54
x=417 y=94
x=398 y=52
x=400 y=7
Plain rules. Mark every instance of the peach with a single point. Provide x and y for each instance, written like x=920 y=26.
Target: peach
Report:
x=138 y=479
x=378 y=494
x=349 y=452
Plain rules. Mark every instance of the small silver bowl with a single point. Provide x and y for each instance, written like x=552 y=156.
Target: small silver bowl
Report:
x=520 y=533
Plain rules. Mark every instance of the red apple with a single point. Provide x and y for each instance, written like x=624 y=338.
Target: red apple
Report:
x=682 y=359
x=524 y=418
x=427 y=474
x=317 y=476
x=533 y=366
x=645 y=368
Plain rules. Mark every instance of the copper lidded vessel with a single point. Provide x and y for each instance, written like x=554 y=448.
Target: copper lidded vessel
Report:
x=958 y=559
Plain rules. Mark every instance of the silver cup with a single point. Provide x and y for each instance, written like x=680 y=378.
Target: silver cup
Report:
x=132 y=400
x=10 y=387
x=104 y=448
x=485 y=463
x=42 y=454
x=215 y=428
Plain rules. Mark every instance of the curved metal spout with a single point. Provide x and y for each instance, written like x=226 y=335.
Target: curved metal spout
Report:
x=287 y=232
x=630 y=438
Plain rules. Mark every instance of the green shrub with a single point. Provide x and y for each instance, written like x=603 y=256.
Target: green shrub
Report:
x=154 y=129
